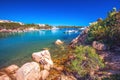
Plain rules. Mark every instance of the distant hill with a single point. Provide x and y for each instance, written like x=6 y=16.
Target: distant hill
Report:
x=9 y=21
x=5 y=21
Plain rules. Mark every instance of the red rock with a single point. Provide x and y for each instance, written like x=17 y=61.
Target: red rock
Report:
x=29 y=71
x=44 y=74
x=114 y=62
x=71 y=57
x=99 y=46
x=70 y=77
x=58 y=42
x=4 y=77
x=86 y=30
x=46 y=67
x=11 y=69
x=58 y=68
x=44 y=58
x=80 y=39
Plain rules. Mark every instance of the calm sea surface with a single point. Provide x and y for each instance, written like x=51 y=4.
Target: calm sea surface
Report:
x=16 y=48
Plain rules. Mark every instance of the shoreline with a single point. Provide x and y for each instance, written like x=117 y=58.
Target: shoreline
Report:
x=25 y=30
x=79 y=40
x=33 y=29
x=67 y=42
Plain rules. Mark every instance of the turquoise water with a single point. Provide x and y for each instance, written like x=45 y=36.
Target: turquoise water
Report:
x=16 y=48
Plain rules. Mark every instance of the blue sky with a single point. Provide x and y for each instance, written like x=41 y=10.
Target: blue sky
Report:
x=56 y=12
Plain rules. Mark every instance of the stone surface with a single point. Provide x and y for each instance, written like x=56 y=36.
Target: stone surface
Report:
x=29 y=71
x=44 y=58
x=47 y=67
x=58 y=42
x=114 y=62
x=86 y=30
x=80 y=40
x=58 y=68
x=11 y=69
x=4 y=77
x=99 y=46
x=111 y=59
x=64 y=77
x=44 y=74
x=114 y=66
x=71 y=57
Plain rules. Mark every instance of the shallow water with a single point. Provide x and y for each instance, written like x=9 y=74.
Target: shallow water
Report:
x=16 y=48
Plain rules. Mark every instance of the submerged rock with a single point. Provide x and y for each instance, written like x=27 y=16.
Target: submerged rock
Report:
x=58 y=42
x=44 y=58
x=29 y=71
x=99 y=46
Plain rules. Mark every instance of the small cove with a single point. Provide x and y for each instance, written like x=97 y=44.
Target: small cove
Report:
x=17 y=48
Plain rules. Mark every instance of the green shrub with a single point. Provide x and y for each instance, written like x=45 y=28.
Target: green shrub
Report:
x=13 y=25
x=87 y=61
x=107 y=30
x=9 y=25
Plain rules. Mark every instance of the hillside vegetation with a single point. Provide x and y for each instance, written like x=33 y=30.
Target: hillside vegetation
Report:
x=22 y=27
x=90 y=60
x=106 y=31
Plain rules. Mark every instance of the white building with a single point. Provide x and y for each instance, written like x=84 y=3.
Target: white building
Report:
x=8 y=21
x=20 y=23
x=5 y=21
x=41 y=25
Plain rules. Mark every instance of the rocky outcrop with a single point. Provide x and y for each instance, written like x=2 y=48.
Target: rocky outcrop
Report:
x=80 y=40
x=99 y=46
x=4 y=77
x=11 y=69
x=58 y=68
x=58 y=42
x=29 y=71
x=44 y=58
x=44 y=74
x=65 y=77
x=114 y=62
x=9 y=73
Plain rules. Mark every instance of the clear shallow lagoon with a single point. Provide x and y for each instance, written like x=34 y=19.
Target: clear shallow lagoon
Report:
x=18 y=47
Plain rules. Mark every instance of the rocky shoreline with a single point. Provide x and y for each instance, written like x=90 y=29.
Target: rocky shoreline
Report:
x=17 y=30
x=44 y=68
x=30 y=70
x=111 y=57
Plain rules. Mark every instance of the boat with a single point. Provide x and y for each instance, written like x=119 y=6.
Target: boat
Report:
x=54 y=28
x=82 y=28
x=71 y=31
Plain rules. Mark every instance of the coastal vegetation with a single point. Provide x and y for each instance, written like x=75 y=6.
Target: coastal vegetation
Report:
x=13 y=25
x=87 y=61
x=104 y=36
x=84 y=61
x=106 y=31
x=70 y=26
